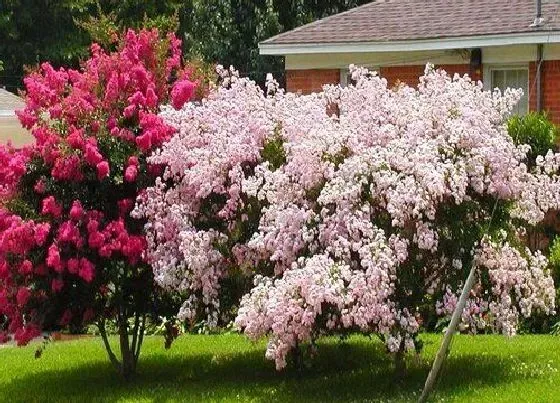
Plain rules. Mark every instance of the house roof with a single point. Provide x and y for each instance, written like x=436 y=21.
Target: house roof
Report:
x=9 y=103
x=390 y=21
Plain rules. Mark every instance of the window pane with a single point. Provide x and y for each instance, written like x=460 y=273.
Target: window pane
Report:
x=513 y=78
x=523 y=80
x=498 y=79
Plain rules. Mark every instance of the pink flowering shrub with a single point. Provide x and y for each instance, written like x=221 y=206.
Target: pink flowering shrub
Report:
x=70 y=254
x=367 y=220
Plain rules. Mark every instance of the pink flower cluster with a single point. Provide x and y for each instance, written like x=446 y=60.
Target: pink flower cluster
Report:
x=12 y=168
x=77 y=184
x=356 y=207
x=115 y=94
x=202 y=159
x=315 y=288
x=18 y=238
x=475 y=316
x=521 y=283
x=70 y=250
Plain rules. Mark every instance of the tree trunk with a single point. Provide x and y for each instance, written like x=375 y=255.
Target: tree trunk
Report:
x=128 y=360
x=112 y=357
x=298 y=357
x=129 y=351
x=400 y=363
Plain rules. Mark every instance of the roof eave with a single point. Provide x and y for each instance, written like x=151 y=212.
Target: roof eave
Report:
x=460 y=42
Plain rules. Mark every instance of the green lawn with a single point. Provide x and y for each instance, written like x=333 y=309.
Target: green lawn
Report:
x=229 y=368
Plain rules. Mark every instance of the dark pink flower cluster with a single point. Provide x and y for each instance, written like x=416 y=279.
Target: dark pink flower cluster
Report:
x=70 y=250
x=115 y=94
x=113 y=239
x=75 y=187
x=12 y=168
x=19 y=238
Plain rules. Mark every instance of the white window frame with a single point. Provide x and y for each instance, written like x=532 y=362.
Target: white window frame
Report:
x=487 y=76
x=344 y=77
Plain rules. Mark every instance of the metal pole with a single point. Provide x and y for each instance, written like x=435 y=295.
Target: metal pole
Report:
x=538 y=78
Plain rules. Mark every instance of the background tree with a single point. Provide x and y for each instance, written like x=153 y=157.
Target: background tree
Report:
x=215 y=31
x=33 y=31
x=229 y=31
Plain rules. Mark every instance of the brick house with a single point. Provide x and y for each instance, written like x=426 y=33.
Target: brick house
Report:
x=504 y=43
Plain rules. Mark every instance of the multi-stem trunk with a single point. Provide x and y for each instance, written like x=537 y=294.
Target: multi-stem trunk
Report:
x=130 y=343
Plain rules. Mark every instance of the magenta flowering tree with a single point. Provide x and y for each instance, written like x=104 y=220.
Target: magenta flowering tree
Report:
x=70 y=254
x=367 y=220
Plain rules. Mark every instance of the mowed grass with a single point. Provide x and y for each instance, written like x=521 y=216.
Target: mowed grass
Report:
x=230 y=368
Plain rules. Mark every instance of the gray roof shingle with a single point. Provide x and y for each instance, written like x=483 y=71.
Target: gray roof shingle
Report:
x=406 y=20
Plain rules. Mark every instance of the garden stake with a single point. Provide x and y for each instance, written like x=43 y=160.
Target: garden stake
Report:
x=452 y=328
x=444 y=349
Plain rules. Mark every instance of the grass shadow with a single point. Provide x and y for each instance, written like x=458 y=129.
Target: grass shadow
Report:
x=340 y=372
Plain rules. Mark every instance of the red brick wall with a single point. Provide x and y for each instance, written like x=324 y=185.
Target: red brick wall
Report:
x=404 y=74
x=308 y=81
x=550 y=81
x=410 y=74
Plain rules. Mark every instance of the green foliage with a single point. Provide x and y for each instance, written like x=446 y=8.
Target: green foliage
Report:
x=542 y=323
x=554 y=256
x=338 y=158
x=536 y=130
x=111 y=17
x=541 y=134
x=33 y=31
x=154 y=326
x=229 y=31
x=458 y=234
x=554 y=261
x=214 y=31
x=556 y=329
x=273 y=150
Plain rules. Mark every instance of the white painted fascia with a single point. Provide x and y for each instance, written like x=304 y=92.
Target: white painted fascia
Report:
x=463 y=42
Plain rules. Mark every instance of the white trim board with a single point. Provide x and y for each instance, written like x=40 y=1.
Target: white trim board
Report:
x=339 y=61
x=462 y=42
x=490 y=55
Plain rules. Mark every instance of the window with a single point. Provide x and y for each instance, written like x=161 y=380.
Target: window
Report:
x=346 y=77
x=513 y=77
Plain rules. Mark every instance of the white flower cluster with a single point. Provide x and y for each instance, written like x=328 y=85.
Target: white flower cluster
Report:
x=353 y=210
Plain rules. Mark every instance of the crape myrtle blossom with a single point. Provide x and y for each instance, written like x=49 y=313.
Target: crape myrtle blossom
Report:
x=356 y=221
x=511 y=272
x=70 y=254
x=198 y=202
x=542 y=191
x=515 y=276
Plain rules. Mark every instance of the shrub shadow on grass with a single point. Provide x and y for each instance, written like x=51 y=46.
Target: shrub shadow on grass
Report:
x=347 y=372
